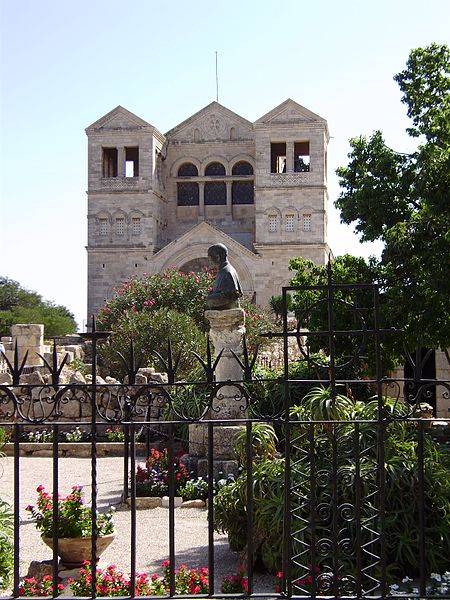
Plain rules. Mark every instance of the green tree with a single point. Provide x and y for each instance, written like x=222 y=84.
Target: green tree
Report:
x=403 y=200
x=353 y=309
x=18 y=305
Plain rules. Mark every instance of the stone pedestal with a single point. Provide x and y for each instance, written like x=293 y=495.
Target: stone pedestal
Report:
x=226 y=333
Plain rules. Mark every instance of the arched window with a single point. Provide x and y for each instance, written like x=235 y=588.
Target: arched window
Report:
x=187 y=170
x=215 y=169
x=242 y=192
x=187 y=194
x=242 y=168
x=215 y=193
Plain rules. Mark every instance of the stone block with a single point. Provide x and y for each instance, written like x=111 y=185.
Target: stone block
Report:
x=5 y=379
x=193 y=504
x=147 y=502
x=178 y=501
x=221 y=468
x=39 y=568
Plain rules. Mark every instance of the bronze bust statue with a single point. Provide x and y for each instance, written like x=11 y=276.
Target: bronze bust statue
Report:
x=227 y=288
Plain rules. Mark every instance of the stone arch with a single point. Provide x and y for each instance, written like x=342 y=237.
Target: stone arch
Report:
x=184 y=159
x=215 y=158
x=215 y=168
x=192 y=251
x=242 y=158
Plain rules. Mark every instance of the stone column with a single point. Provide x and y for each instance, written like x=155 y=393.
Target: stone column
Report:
x=226 y=333
x=201 y=200
x=229 y=199
x=29 y=338
x=121 y=162
x=289 y=157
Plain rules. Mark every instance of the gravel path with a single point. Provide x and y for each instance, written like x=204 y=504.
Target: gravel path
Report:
x=152 y=543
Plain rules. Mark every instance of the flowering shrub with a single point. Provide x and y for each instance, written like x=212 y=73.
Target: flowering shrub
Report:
x=153 y=478
x=113 y=582
x=306 y=583
x=38 y=436
x=152 y=308
x=194 y=489
x=437 y=585
x=76 y=435
x=41 y=436
x=115 y=435
x=30 y=586
x=183 y=292
x=235 y=584
x=75 y=519
x=187 y=581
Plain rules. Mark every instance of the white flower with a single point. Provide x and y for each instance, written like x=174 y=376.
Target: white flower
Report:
x=446 y=576
x=436 y=576
x=415 y=591
x=394 y=587
x=406 y=579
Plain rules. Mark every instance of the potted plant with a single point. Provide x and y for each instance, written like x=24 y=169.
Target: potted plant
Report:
x=74 y=526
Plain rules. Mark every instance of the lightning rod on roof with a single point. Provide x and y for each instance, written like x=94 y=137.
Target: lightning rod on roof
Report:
x=217 y=82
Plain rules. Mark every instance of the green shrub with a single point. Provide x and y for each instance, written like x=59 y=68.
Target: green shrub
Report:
x=6 y=544
x=335 y=445
x=151 y=332
x=264 y=441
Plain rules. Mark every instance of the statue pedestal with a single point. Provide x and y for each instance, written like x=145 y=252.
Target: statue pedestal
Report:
x=226 y=333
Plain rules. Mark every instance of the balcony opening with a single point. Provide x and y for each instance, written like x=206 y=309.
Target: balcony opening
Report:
x=301 y=157
x=278 y=157
x=132 y=162
x=109 y=162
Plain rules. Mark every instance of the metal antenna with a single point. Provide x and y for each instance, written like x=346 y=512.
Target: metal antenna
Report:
x=217 y=82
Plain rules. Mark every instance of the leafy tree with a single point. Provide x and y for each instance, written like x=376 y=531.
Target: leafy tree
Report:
x=353 y=309
x=402 y=199
x=18 y=305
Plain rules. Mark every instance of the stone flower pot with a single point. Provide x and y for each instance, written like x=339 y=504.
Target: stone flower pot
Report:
x=74 y=551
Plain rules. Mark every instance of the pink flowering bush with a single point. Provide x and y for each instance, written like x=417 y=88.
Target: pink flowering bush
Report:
x=182 y=292
x=153 y=308
x=235 y=584
x=75 y=518
x=30 y=586
x=113 y=582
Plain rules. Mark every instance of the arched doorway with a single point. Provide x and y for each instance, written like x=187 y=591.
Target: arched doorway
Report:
x=196 y=264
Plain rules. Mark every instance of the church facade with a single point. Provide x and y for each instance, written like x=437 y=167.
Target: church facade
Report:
x=160 y=200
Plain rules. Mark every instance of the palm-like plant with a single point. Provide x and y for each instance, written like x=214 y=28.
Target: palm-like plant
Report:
x=319 y=404
x=264 y=442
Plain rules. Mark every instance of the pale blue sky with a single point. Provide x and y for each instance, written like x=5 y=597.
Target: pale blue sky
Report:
x=64 y=64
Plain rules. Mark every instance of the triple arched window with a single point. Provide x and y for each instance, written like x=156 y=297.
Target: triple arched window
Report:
x=215 y=191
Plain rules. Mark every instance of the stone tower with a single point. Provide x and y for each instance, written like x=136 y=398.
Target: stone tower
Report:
x=157 y=201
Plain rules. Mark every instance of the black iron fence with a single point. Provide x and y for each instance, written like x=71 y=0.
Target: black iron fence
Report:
x=336 y=482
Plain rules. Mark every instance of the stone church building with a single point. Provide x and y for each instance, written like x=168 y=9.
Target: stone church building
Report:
x=160 y=200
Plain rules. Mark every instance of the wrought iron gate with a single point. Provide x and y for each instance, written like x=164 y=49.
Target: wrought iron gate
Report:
x=336 y=462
